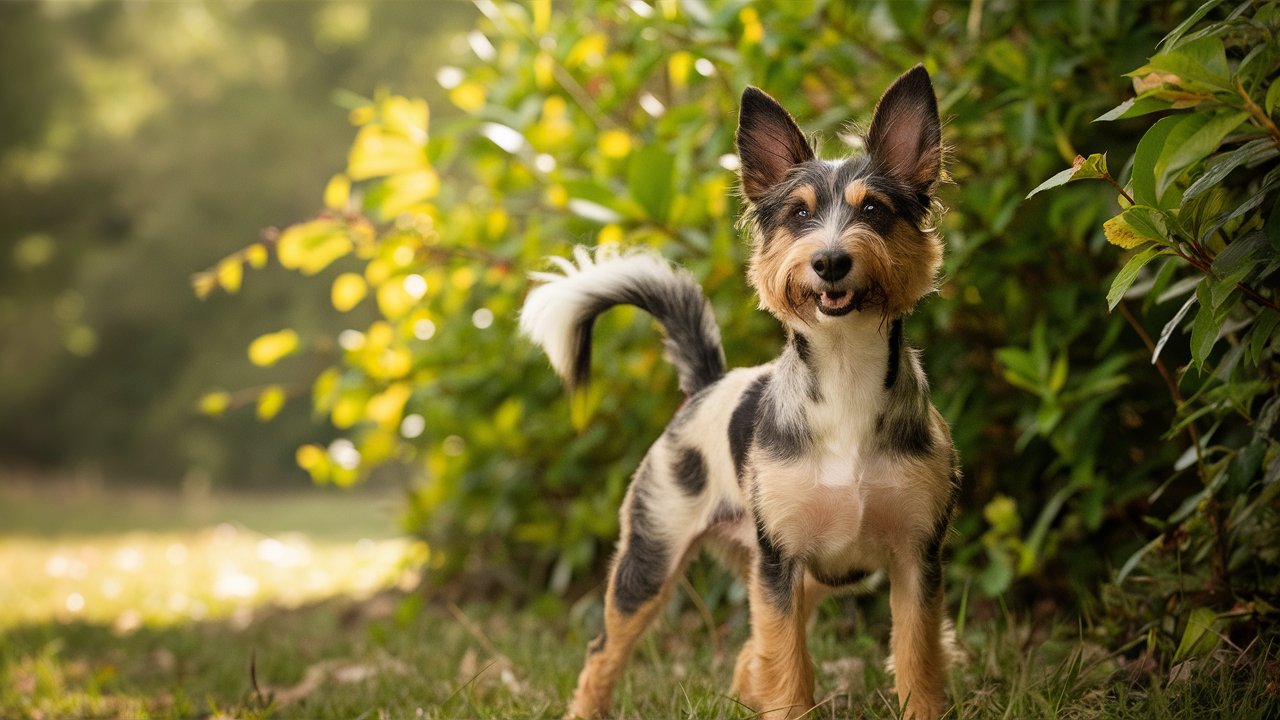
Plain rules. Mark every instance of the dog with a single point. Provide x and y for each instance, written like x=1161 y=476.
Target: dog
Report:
x=807 y=473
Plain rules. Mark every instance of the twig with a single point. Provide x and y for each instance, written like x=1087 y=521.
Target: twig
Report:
x=696 y=599
x=1174 y=393
x=1263 y=119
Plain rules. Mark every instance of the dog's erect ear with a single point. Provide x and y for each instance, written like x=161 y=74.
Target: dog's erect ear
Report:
x=769 y=143
x=905 y=140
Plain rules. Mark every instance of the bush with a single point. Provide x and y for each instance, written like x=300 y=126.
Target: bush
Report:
x=1197 y=212
x=616 y=125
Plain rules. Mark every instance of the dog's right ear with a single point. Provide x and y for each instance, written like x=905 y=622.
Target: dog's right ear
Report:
x=769 y=143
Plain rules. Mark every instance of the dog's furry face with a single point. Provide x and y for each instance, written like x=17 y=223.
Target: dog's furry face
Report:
x=830 y=238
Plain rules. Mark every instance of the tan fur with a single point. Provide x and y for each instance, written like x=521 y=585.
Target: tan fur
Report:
x=855 y=192
x=774 y=674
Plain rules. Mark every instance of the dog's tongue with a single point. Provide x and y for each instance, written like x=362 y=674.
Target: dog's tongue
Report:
x=835 y=300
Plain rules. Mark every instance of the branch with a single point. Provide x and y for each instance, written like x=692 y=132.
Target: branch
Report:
x=1263 y=119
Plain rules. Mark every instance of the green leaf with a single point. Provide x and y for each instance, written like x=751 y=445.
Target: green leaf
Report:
x=1260 y=335
x=1191 y=140
x=1205 y=328
x=1197 y=63
x=1137 y=226
x=1253 y=152
x=1134 y=107
x=1195 y=17
x=1129 y=273
x=1092 y=168
x=1273 y=98
x=651 y=179
x=1200 y=636
x=1170 y=326
x=1144 y=159
x=1060 y=178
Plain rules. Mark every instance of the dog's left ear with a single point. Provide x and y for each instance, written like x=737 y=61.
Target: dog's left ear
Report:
x=905 y=140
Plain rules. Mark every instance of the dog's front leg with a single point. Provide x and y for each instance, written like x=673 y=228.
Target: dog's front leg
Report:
x=919 y=656
x=774 y=673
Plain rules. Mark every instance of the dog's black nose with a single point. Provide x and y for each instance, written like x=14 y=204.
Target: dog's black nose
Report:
x=831 y=264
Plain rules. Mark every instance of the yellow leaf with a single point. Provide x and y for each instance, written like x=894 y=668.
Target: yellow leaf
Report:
x=406 y=117
x=347 y=411
x=1119 y=233
x=204 y=283
x=557 y=196
x=325 y=389
x=469 y=96
x=337 y=192
x=267 y=349
x=215 y=403
x=463 y=278
x=230 y=273
x=362 y=115
x=347 y=292
x=311 y=246
x=256 y=255
x=395 y=363
x=678 y=67
x=610 y=234
x=587 y=51
x=615 y=144
x=407 y=191
x=393 y=300
x=544 y=71
x=541 y=16
x=376 y=153
x=270 y=401
x=310 y=456
x=377 y=446
x=752 y=29
x=495 y=223
x=386 y=407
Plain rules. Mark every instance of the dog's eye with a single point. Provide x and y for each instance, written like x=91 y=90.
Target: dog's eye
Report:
x=800 y=213
x=870 y=207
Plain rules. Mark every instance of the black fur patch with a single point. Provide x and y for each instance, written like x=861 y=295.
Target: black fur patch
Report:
x=742 y=424
x=804 y=351
x=783 y=443
x=931 y=560
x=895 y=354
x=692 y=343
x=777 y=573
x=690 y=471
x=905 y=425
x=643 y=567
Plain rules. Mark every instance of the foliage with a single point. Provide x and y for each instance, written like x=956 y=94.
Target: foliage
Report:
x=593 y=125
x=141 y=141
x=1198 y=212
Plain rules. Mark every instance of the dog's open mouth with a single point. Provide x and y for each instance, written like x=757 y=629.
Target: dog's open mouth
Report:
x=836 y=302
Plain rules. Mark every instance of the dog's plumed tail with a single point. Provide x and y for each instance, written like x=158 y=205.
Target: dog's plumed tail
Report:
x=560 y=313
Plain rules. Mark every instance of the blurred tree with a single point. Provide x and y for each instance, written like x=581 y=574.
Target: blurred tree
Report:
x=142 y=141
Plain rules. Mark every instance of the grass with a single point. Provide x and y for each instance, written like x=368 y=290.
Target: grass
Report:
x=294 y=617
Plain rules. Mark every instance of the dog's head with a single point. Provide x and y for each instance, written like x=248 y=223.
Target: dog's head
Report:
x=831 y=238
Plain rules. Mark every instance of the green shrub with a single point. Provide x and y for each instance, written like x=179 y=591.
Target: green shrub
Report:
x=1197 y=212
x=589 y=125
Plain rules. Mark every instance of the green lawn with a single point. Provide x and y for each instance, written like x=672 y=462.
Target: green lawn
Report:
x=310 y=607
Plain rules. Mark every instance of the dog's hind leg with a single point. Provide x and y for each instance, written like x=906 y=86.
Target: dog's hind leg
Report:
x=652 y=552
